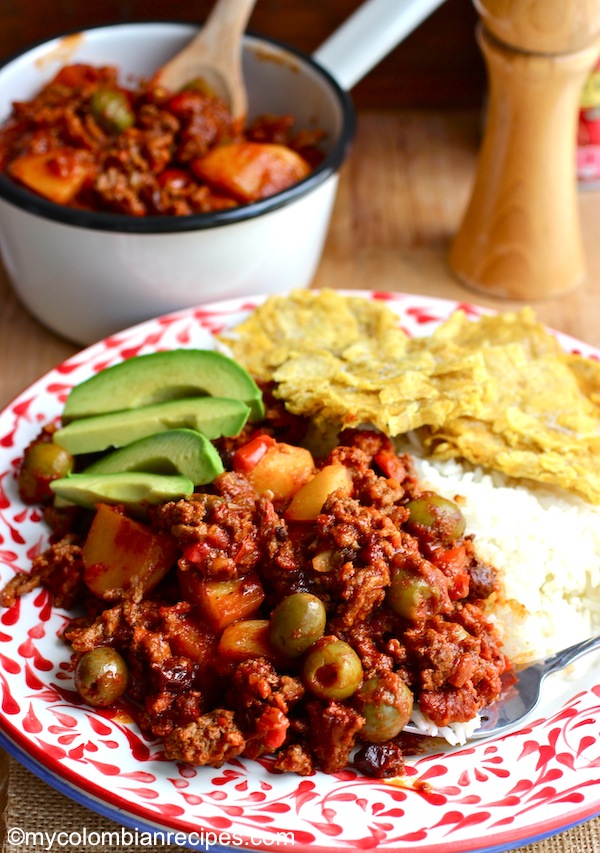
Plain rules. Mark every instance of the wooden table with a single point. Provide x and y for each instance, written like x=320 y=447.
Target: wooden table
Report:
x=401 y=198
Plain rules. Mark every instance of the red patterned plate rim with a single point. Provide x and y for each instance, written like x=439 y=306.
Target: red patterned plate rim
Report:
x=487 y=796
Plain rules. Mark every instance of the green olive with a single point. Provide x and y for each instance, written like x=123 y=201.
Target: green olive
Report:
x=198 y=84
x=111 y=110
x=410 y=596
x=386 y=703
x=43 y=462
x=435 y=517
x=296 y=623
x=332 y=669
x=101 y=676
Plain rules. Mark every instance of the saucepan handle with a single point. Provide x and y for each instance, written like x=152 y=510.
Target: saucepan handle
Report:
x=368 y=35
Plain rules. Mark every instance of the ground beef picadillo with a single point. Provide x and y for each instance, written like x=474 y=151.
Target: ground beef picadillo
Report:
x=209 y=704
x=87 y=141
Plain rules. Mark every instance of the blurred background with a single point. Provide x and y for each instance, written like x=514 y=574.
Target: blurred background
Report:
x=438 y=66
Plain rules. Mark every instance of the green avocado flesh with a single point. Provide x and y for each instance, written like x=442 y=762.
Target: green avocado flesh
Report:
x=212 y=416
x=134 y=488
x=145 y=380
x=176 y=451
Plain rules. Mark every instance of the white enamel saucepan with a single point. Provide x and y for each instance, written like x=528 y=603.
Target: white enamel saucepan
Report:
x=86 y=275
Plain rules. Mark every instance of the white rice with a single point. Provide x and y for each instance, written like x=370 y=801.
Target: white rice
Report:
x=457 y=734
x=545 y=545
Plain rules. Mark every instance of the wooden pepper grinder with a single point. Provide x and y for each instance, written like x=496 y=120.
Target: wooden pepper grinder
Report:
x=520 y=237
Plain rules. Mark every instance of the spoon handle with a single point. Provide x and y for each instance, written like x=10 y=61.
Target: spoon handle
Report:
x=226 y=24
x=569 y=655
x=215 y=55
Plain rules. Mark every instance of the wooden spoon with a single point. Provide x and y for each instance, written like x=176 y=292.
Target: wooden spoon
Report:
x=214 y=55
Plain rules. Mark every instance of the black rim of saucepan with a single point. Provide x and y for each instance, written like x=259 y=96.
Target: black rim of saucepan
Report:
x=123 y=223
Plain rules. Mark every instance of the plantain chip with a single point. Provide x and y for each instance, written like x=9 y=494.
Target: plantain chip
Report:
x=498 y=391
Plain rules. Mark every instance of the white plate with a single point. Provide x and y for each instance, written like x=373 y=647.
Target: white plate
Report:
x=489 y=796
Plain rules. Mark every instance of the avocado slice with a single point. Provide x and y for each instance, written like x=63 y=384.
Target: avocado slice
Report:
x=212 y=416
x=136 y=489
x=176 y=451
x=144 y=380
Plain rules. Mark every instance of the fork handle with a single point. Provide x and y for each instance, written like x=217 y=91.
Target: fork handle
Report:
x=569 y=655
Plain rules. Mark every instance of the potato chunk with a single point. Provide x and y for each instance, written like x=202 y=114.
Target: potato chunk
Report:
x=119 y=550
x=249 y=171
x=248 y=638
x=222 y=602
x=57 y=175
x=308 y=502
x=282 y=470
